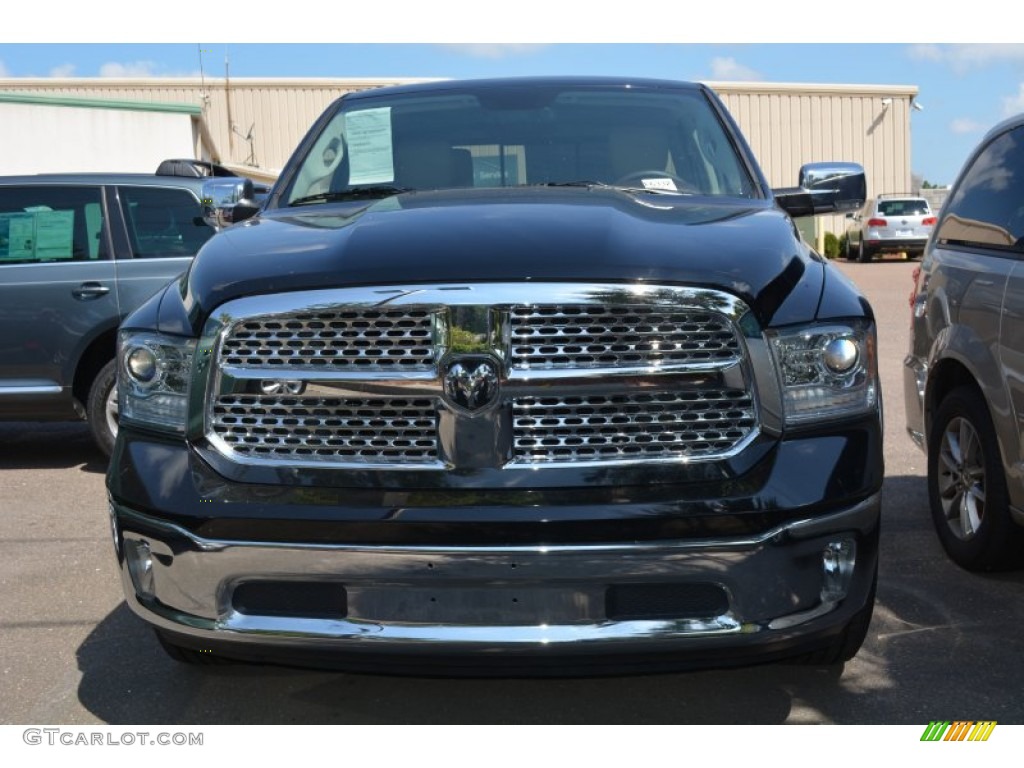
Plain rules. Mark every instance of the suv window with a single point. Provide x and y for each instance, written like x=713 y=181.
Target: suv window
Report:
x=987 y=208
x=903 y=207
x=49 y=223
x=163 y=222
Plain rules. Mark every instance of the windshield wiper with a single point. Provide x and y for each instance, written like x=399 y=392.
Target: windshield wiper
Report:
x=621 y=188
x=580 y=183
x=356 y=193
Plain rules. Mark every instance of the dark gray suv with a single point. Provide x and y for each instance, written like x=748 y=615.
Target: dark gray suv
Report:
x=78 y=253
x=964 y=374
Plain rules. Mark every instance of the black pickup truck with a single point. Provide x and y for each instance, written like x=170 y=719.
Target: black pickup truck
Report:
x=530 y=374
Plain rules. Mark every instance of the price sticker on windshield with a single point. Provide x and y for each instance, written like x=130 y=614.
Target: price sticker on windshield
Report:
x=659 y=184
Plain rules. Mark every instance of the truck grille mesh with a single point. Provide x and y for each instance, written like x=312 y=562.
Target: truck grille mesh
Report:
x=392 y=431
x=596 y=336
x=364 y=339
x=337 y=379
x=630 y=426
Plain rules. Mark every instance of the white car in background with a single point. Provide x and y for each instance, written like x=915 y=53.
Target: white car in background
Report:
x=891 y=223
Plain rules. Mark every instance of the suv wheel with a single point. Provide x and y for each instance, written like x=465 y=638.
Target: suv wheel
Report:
x=847 y=250
x=967 y=487
x=102 y=407
x=863 y=254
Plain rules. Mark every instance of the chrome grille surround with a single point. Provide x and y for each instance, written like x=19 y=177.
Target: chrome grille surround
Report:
x=633 y=336
x=325 y=429
x=354 y=338
x=685 y=399
x=661 y=425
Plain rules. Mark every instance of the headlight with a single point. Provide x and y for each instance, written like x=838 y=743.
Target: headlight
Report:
x=152 y=379
x=826 y=371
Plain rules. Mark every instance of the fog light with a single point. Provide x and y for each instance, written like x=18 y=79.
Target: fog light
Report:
x=837 y=562
x=140 y=566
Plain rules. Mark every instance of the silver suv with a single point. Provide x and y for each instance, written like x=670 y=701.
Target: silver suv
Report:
x=891 y=223
x=964 y=374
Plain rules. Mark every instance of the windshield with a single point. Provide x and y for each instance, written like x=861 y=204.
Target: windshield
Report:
x=662 y=140
x=903 y=207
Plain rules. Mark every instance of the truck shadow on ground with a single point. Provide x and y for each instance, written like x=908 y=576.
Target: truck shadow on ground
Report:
x=49 y=445
x=128 y=679
x=942 y=645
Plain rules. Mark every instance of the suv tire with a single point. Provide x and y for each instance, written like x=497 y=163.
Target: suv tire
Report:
x=101 y=409
x=847 y=250
x=863 y=254
x=967 y=486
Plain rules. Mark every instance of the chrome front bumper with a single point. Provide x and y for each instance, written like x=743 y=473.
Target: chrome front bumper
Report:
x=500 y=599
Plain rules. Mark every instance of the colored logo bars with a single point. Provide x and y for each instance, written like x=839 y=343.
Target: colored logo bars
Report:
x=958 y=730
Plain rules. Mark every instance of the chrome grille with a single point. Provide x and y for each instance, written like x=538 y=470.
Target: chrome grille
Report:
x=597 y=336
x=686 y=424
x=321 y=429
x=363 y=339
x=366 y=377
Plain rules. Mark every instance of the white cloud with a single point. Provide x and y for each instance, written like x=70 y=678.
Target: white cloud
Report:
x=494 y=50
x=64 y=70
x=129 y=69
x=964 y=57
x=727 y=68
x=1013 y=105
x=966 y=125
x=4 y=72
x=926 y=52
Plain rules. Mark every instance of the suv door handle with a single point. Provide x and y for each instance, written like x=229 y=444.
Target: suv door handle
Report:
x=90 y=290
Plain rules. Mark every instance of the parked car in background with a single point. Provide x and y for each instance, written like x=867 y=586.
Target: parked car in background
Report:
x=964 y=373
x=890 y=223
x=77 y=253
x=514 y=374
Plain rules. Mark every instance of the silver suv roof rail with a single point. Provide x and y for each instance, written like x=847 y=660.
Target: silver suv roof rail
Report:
x=900 y=194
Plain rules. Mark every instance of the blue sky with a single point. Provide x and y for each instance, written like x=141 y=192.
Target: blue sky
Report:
x=965 y=88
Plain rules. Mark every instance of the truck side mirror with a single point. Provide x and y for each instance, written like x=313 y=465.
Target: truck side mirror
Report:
x=227 y=201
x=825 y=188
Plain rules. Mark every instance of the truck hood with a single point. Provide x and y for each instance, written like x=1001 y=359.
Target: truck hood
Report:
x=748 y=248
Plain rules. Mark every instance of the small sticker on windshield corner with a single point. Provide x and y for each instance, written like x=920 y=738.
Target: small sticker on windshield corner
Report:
x=659 y=184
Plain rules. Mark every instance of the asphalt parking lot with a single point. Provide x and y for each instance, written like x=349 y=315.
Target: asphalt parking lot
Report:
x=943 y=643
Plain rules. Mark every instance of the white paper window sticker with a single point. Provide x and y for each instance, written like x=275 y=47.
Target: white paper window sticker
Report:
x=55 y=234
x=17 y=236
x=370 y=159
x=41 y=234
x=659 y=184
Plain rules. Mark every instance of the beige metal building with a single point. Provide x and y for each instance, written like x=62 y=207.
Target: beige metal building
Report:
x=253 y=124
x=788 y=124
